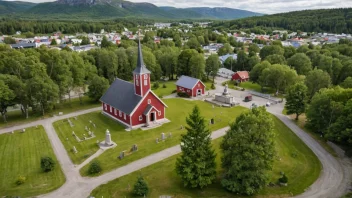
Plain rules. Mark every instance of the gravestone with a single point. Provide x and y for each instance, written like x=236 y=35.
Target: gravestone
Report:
x=97 y=142
x=36 y=126
x=23 y=130
x=73 y=133
x=90 y=121
x=107 y=138
x=134 y=148
x=122 y=155
x=74 y=149
x=170 y=135
x=94 y=125
x=66 y=139
x=86 y=128
x=162 y=136
x=181 y=126
x=157 y=140
x=12 y=132
x=61 y=113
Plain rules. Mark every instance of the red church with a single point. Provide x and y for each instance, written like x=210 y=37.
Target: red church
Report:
x=134 y=104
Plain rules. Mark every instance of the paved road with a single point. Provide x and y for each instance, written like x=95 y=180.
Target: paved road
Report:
x=333 y=181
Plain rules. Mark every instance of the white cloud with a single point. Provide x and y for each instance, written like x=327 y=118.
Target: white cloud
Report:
x=261 y=6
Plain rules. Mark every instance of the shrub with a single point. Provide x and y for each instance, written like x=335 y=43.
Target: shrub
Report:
x=183 y=94
x=212 y=86
x=174 y=91
x=47 y=164
x=283 y=179
x=20 y=180
x=164 y=85
x=156 y=85
x=140 y=187
x=94 y=168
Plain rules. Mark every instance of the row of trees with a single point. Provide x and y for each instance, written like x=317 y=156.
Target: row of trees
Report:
x=248 y=153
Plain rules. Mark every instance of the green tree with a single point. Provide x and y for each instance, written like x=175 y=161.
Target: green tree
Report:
x=230 y=63
x=242 y=61
x=248 y=152
x=301 y=63
x=278 y=77
x=193 y=43
x=347 y=83
x=270 y=50
x=289 y=51
x=196 y=165
x=140 y=187
x=253 y=49
x=53 y=42
x=212 y=65
x=97 y=87
x=296 y=99
x=257 y=70
x=316 y=80
x=47 y=164
x=105 y=43
x=94 y=168
x=197 y=64
x=9 y=40
x=184 y=66
x=85 y=40
x=6 y=99
x=276 y=59
x=226 y=49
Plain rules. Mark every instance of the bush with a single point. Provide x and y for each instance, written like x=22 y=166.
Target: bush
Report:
x=156 y=85
x=173 y=91
x=47 y=164
x=20 y=180
x=212 y=86
x=94 y=168
x=183 y=94
x=140 y=187
x=164 y=85
x=283 y=179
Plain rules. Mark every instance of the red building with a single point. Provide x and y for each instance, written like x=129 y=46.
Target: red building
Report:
x=192 y=86
x=134 y=104
x=241 y=76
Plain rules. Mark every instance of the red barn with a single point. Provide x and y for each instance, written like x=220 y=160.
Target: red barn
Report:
x=192 y=86
x=241 y=76
x=134 y=104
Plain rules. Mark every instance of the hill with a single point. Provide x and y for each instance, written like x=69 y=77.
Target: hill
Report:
x=322 y=20
x=8 y=7
x=98 y=9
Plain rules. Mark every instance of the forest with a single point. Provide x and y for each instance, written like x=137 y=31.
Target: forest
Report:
x=323 y=20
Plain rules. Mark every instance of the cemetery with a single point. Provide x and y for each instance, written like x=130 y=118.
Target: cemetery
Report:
x=294 y=159
x=21 y=152
x=146 y=140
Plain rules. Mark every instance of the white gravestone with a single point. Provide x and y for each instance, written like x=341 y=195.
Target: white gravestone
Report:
x=107 y=138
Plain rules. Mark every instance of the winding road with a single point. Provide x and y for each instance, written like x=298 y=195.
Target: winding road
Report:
x=334 y=180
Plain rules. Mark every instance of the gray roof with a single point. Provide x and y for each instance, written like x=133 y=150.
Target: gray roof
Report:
x=141 y=68
x=187 y=82
x=121 y=96
x=24 y=45
x=149 y=107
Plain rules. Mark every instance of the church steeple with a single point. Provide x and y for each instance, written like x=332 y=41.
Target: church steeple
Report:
x=141 y=75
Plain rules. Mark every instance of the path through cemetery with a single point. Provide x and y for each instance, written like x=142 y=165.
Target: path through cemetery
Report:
x=333 y=181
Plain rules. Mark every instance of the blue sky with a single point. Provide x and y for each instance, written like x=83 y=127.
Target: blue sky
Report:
x=262 y=6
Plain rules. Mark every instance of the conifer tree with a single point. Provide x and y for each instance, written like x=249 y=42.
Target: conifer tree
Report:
x=196 y=166
x=248 y=152
x=140 y=187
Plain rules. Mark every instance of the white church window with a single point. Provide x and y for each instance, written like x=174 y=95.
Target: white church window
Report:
x=120 y=113
x=124 y=116
x=110 y=109
x=140 y=118
x=105 y=107
x=149 y=101
x=145 y=79
x=115 y=112
x=137 y=83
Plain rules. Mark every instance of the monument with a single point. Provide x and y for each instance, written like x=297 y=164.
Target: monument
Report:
x=107 y=138
x=225 y=97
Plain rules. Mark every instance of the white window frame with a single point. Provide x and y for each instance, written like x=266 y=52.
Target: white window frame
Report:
x=124 y=116
x=159 y=113
x=137 y=83
x=149 y=101
x=145 y=79
x=120 y=113
x=105 y=107
x=110 y=109
x=140 y=118
x=115 y=112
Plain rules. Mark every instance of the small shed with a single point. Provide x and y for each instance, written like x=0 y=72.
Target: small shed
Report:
x=192 y=86
x=241 y=76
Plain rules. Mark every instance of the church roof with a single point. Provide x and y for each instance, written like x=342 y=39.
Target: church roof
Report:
x=121 y=96
x=141 y=68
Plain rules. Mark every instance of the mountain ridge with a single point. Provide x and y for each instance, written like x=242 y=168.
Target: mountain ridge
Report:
x=117 y=8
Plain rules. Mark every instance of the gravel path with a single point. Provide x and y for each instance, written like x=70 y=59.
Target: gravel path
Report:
x=334 y=180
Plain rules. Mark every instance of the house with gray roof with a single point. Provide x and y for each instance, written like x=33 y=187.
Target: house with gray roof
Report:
x=192 y=86
x=134 y=105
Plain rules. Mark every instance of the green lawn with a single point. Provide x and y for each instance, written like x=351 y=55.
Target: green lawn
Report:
x=20 y=156
x=301 y=170
x=146 y=140
x=15 y=117
x=161 y=92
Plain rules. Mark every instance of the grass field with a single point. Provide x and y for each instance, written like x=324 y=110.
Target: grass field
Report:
x=161 y=92
x=297 y=161
x=146 y=140
x=20 y=156
x=15 y=117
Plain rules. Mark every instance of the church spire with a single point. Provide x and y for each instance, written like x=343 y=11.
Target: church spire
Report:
x=141 y=68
